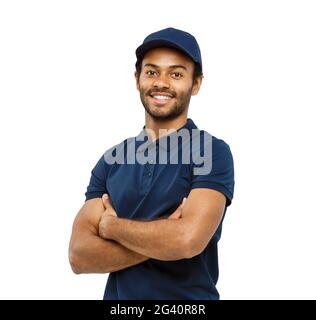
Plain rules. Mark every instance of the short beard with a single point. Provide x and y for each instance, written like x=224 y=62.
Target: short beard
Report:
x=174 y=113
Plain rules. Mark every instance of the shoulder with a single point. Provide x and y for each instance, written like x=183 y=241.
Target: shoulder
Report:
x=218 y=146
x=117 y=153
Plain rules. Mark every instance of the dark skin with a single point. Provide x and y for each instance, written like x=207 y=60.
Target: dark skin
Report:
x=166 y=72
x=89 y=253
x=101 y=241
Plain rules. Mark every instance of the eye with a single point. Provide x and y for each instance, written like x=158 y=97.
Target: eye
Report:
x=151 y=73
x=177 y=75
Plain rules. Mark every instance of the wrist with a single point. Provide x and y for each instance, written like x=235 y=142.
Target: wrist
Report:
x=112 y=226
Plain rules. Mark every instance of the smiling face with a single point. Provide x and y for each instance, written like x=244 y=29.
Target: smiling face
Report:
x=166 y=83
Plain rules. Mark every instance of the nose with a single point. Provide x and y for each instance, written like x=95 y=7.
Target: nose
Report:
x=161 y=81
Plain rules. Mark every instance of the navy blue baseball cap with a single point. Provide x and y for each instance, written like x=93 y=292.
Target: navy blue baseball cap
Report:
x=172 y=38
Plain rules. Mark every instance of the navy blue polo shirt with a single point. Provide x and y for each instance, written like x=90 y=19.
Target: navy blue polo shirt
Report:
x=151 y=190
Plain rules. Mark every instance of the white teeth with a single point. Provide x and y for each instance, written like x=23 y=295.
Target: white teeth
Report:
x=162 y=97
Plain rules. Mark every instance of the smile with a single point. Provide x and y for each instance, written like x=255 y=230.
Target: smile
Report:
x=160 y=97
x=160 y=100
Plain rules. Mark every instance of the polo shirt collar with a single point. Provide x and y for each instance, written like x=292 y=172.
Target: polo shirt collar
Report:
x=142 y=144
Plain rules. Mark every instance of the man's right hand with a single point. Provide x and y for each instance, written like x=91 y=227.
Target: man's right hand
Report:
x=178 y=213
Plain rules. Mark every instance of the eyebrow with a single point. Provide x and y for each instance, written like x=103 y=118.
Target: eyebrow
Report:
x=170 y=67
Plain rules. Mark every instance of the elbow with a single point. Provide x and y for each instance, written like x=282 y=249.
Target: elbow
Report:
x=74 y=260
x=184 y=249
x=184 y=246
x=75 y=266
x=191 y=247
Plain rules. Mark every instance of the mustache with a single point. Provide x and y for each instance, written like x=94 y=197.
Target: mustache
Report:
x=168 y=92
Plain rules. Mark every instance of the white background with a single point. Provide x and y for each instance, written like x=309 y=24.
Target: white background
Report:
x=67 y=94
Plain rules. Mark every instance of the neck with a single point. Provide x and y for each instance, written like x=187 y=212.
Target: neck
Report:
x=156 y=125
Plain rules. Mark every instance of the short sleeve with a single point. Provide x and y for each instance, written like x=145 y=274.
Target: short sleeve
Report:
x=221 y=175
x=97 y=184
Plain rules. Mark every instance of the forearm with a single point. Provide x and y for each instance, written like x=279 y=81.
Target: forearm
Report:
x=164 y=239
x=95 y=255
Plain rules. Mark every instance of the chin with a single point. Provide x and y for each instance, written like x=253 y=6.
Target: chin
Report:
x=161 y=112
x=163 y=115
x=168 y=112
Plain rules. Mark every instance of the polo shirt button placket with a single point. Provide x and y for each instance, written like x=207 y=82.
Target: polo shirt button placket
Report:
x=150 y=167
x=147 y=178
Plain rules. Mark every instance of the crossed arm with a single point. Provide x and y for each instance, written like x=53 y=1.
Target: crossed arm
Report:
x=102 y=242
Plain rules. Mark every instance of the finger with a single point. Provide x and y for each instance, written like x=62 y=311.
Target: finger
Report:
x=175 y=215
x=106 y=201
x=182 y=203
x=178 y=214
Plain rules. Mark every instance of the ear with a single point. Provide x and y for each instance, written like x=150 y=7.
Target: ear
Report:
x=196 y=85
x=137 y=79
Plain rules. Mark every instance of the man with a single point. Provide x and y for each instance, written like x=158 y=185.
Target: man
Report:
x=153 y=211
